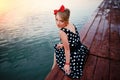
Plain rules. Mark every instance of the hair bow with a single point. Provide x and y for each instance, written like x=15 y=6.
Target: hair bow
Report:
x=62 y=8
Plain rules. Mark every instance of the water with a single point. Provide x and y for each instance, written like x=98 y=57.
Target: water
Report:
x=27 y=37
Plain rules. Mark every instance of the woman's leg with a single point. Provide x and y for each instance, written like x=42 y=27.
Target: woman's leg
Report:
x=54 y=62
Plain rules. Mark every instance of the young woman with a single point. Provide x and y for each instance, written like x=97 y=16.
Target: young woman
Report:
x=69 y=53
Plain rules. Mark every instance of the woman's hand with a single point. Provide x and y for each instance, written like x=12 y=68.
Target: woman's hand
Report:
x=67 y=69
x=59 y=46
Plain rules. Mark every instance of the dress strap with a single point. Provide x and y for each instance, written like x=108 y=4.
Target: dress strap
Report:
x=75 y=27
x=65 y=30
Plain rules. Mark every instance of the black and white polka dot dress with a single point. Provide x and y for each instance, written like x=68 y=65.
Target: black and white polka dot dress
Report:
x=78 y=54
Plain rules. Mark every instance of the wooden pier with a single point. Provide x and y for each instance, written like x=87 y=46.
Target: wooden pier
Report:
x=101 y=34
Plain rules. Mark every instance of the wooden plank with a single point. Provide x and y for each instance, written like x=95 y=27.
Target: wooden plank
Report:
x=53 y=73
x=102 y=69
x=119 y=30
x=118 y=19
x=91 y=33
x=103 y=7
x=89 y=68
x=102 y=4
x=118 y=23
x=66 y=78
x=60 y=75
x=106 y=4
x=104 y=47
x=114 y=42
x=114 y=35
x=86 y=27
x=95 y=47
x=114 y=70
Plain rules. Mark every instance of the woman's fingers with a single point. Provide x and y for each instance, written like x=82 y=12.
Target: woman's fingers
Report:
x=59 y=46
x=67 y=71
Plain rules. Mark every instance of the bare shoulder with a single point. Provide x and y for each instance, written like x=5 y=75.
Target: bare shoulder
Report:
x=63 y=37
x=62 y=33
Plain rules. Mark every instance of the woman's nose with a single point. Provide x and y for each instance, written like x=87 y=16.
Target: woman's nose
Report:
x=58 y=22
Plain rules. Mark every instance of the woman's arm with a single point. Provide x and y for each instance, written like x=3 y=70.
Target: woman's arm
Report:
x=65 y=42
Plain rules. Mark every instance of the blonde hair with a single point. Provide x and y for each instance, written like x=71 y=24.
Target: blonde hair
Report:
x=65 y=15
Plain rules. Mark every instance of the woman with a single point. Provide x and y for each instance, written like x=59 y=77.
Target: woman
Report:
x=69 y=54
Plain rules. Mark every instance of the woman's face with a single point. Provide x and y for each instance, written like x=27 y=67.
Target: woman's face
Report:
x=60 y=22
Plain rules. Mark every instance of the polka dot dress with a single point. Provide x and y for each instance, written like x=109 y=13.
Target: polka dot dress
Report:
x=78 y=54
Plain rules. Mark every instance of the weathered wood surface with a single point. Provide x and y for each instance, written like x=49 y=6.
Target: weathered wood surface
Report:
x=101 y=34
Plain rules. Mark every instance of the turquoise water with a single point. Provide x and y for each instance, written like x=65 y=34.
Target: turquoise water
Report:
x=27 y=40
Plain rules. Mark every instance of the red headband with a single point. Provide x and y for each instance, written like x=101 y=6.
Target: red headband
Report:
x=62 y=8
